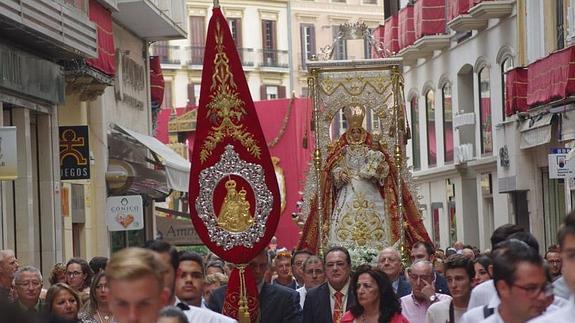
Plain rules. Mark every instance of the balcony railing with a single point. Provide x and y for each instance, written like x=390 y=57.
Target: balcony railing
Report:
x=195 y=55
x=168 y=54
x=273 y=58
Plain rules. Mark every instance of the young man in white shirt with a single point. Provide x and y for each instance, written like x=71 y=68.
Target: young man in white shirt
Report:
x=520 y=282
x=566 y=239
x=459 y=274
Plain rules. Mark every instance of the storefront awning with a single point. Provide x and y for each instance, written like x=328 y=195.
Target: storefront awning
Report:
x=177 y=168
x=535 y=131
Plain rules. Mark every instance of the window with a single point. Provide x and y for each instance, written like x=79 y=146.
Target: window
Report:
x=506 y=66
x=390 y=8
x=447 y=123
x=270 y=92
x=270 y=56
x=559 y=24
x=193 y=94
x=340 y=47
x=307 y=35
x=369 y=1
x=485 y=112
x=553 y=205
x=430 y=124
x=236 y=30
x=415 y=134
x=197 y=40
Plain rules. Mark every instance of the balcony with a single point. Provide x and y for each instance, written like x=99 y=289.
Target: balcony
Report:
x=273 y=58
x=429 y=26
x=195 y=56
x=153 y=20
x=60 y=29
x=466 y=15
x=168 y=54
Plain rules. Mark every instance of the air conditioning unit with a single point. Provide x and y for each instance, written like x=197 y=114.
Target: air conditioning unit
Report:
x=463 y=153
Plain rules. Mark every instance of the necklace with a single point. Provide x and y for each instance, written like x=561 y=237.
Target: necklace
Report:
x=106 y=317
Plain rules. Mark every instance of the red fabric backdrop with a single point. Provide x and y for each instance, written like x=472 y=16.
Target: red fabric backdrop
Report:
x=378 y=35
x=390 y=37
x=406 y=27
x=552 y=77
x=429 y=17
x=294 y=159
x=516 y=91
x=458 y=7
x=106 y=60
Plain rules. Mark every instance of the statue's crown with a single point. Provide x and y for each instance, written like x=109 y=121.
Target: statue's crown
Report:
x=354 y=116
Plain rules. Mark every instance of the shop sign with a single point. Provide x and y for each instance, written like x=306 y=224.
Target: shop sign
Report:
x=559 y=165
x=125 y=213
x=74 y=153
x=8 y=154
x=177 y=231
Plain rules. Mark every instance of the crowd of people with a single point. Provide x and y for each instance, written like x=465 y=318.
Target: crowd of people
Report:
x=510 y=283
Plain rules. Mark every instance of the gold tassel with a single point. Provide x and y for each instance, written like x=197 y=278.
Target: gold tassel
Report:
x=243 y=311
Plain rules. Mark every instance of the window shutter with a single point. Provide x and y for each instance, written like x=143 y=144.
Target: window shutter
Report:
x=312 y=36
x=263 y=94
x=302 y=37
x=281 y=92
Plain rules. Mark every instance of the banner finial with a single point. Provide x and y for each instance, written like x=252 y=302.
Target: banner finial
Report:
x=216 y=3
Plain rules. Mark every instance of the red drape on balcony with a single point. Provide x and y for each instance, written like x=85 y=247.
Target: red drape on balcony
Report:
x=156 y=82
x=458 y=7
x=106 y=60
x=516 y=91
x=406 y=27
x=551 y=78
x=429 y=17
x=390 y=34
x=377 y=34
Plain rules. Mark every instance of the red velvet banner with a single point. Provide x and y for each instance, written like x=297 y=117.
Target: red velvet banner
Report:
x=406 y=27
x=227 y=117
x=551 y=78
x=390 y=34
x=156 y=82
x=106 y=60
x=516 y=91
x=429 y=17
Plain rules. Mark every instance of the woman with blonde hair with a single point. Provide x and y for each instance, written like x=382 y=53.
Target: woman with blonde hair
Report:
x=96 y=309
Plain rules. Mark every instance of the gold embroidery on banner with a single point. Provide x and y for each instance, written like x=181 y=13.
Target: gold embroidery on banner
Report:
x=235 y=212
x=226 y=109
x=360 y=223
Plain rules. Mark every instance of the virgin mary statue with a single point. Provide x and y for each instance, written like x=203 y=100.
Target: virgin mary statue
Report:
x=359 y=194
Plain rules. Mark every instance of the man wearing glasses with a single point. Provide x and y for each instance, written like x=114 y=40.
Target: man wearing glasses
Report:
x=313 y=276
x=327 y=302
x=521 y=283
x=421 y=277
x=28 y=285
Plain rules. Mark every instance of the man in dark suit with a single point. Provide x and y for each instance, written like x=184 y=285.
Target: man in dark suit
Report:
x=327 y=302
x=277 y=303
x=389 y=261
x=425 y=251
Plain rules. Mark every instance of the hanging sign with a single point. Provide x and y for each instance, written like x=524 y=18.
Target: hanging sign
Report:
x=74 y=153
x=125 y=213
x=8 y=154
x=559 y=165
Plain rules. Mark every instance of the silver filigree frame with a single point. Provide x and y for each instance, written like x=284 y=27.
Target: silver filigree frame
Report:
x=350 y=31
x=230 y=163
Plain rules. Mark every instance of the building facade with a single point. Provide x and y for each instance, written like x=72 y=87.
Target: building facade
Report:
x=32 y=87
x=454 y=71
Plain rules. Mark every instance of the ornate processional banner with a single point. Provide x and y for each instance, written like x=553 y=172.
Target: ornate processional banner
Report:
x=234 y=196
